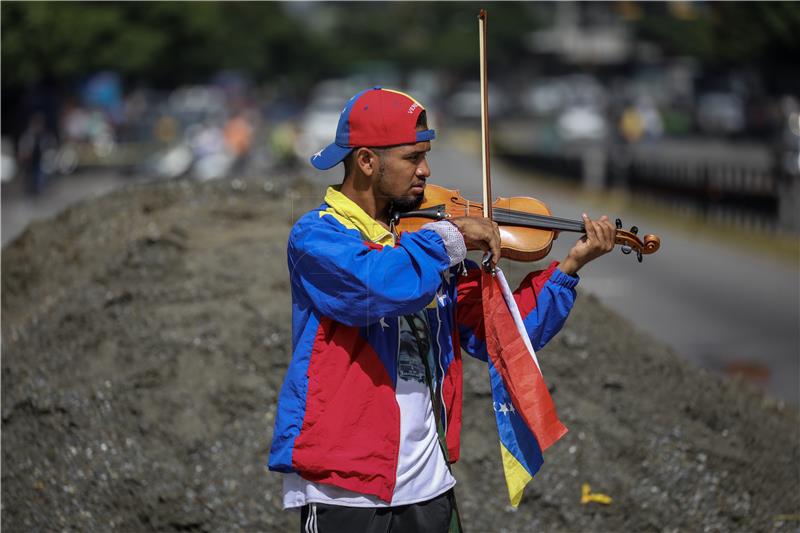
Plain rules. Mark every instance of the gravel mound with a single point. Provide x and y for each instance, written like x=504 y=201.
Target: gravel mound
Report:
x=145 y=335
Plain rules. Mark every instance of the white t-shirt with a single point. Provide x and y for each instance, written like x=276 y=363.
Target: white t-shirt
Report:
x=422 y=472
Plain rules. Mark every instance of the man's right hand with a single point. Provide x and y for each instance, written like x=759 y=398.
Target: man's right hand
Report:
x=480 y=233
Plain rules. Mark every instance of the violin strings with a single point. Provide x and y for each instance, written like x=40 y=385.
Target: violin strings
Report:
x=541 y=218
x=540 y=221
x=508 y=216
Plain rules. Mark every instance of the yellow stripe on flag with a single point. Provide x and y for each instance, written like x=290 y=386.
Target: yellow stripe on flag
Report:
x=516 y=476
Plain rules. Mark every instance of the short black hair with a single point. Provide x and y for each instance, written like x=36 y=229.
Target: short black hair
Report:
x=422 y=120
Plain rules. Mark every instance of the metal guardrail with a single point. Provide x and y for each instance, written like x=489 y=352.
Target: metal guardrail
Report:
x=743 y=196
x=719 y=186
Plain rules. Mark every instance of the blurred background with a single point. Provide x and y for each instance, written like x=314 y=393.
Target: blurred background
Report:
x=681 y=118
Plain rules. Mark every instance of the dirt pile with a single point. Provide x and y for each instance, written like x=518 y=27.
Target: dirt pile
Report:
x=145 y=336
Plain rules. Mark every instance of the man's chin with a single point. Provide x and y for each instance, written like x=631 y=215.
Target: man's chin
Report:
x=408 y=203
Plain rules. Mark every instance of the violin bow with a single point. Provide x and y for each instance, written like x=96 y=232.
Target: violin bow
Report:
x=487 y=179
x=627 y=239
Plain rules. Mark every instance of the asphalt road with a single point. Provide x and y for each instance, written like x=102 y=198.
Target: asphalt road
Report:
x=723 y=308
x=726 y=309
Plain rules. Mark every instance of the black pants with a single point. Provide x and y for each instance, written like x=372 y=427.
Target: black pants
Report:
x=432 y=516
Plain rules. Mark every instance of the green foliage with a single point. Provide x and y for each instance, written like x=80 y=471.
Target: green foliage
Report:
x=727 y=32
x=174 y=42
x=61 y=40
x=163 y=42
x=168 y=43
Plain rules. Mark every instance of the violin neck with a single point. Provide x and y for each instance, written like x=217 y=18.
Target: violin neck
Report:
x=504 y=217
x=529 y=220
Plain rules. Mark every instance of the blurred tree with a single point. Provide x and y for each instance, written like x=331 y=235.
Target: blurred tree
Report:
x=165 y=43
x=169 y=43
x=48 y=40
x=429 y=34
x=724 y=32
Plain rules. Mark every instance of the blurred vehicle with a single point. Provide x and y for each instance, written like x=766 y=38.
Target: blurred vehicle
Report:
x=171 y=162
x=720 y=113
x=465 y=102
x=208 y=155
x=182 y=134
x=543 y=98
x=581 y=124
x=789 y=143
x=9 y=163
x=197 y=103
x=641 y=121
x=550 y=96
x=426 y=86
x=318 y=123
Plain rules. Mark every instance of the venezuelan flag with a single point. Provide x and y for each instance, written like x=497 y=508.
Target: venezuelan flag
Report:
x=527 y=421
x=521 y=454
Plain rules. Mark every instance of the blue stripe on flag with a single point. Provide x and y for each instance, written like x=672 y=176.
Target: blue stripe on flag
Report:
x=515 y=437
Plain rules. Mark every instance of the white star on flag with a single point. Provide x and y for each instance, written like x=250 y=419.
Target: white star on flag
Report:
x=384 y=325
x=503 y=408
x=511 y=408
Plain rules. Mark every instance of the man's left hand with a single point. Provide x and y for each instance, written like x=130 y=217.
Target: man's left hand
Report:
x=599 y=240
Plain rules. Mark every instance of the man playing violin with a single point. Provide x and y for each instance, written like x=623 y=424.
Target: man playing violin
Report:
x=369 y=415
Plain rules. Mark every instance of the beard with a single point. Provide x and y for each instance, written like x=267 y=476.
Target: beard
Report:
x=398 y=204
x=404 y=204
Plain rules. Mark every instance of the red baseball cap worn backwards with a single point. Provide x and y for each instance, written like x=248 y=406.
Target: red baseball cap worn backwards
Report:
x=375 y=117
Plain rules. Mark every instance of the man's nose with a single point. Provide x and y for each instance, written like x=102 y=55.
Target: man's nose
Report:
x=423 y=170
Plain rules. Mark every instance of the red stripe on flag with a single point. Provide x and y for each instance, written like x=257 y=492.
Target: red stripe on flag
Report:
x=510 y=356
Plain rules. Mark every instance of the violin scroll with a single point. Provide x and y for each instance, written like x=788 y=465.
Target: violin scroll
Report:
x=630 y=242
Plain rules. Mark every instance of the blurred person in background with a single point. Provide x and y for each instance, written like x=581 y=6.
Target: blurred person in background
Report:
x=74 y=122
x=34 y=144
x=282 y=141
x=369 y=415
x=238 y=134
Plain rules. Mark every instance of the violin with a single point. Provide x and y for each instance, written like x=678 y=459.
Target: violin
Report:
x=527 y=228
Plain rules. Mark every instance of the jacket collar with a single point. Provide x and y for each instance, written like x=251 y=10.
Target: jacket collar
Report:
x=348 y=210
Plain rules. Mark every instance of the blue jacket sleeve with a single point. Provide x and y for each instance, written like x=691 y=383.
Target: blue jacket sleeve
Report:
x=545 y=299
x=357 y=282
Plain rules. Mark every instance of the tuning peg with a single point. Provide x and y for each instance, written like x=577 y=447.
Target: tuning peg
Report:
x=639 y=255
x=634 y=230
x=625 y=249
x=618 y=222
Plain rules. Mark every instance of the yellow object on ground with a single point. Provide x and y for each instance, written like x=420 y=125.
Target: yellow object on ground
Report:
x=587 y=496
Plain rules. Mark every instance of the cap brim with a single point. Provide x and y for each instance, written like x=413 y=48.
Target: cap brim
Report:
x=330 y=156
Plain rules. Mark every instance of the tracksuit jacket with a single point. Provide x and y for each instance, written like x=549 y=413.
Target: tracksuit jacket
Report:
x=337 y=420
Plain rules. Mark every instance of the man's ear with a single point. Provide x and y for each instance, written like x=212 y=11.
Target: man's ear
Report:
x=367 y=161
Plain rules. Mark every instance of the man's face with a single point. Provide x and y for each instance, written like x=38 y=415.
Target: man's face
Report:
x=402 y=174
